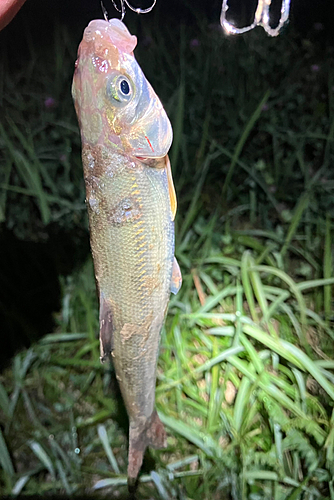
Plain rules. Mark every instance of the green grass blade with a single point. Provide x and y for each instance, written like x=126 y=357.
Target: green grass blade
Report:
x=182 y=463
x=29 y=176
x=198 y=438
x=243 y=138
x=4 y=401
x=107 y=448
x=273 y=343
x=63 y=478
x=214 y=402
x=311 y=367
x=258 y=288
x=5 y=460
x=160 y=487
x=178 y=125
x=301 y=386
x=42 y=456
x=306 y=285
x=213 y=301
x=62 y=337
x=241 y=403
x=298 y=213
x=253 y=354
x=279 y=396
x=291 y=284
x=118 y=481
x=19 y=485
x=328 y=266
x=275 y=305
x=225 y=331
x=245 y=266
x=195 y=204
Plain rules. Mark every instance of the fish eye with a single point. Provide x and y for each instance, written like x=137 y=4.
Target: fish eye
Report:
x=119 y=89
x=124 y=87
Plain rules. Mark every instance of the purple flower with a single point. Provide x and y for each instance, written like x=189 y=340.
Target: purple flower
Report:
x=315 y=68
x=194 y=43
x=50 y=103
x=318 y=26
x=215 y=27
x=265 y=107
x=147 y=41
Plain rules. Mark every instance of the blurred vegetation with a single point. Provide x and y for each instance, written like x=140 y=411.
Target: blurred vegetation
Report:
x=245 y=375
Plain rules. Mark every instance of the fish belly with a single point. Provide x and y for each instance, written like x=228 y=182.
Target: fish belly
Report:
x=132 y=240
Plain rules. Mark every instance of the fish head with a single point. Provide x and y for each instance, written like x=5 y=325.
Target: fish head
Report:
x=115 y=103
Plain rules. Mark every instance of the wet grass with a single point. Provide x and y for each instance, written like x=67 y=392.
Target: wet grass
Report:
x=245 y=376
x=245 y=389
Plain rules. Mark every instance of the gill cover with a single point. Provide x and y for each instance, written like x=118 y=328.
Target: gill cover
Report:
x=115 y=103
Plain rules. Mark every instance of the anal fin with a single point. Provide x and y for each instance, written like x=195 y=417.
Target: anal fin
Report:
x=106 y=329
x=176 y=278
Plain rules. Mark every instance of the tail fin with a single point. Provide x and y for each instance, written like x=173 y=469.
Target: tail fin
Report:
x=151 y=434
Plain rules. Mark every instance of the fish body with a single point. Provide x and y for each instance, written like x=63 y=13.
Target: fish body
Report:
x=131 y=204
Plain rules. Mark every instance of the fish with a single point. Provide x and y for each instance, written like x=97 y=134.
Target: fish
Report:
x=126 y=136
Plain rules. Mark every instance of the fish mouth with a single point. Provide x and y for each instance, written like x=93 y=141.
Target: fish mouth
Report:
x=113 y=31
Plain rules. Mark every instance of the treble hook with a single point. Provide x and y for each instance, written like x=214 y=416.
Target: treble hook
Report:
x=138 y=10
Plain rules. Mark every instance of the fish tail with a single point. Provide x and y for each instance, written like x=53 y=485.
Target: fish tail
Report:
x=151 y=434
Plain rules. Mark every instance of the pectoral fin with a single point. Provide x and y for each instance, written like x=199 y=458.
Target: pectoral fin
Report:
x=176 y=278
x=171 y=189
x=106 y=329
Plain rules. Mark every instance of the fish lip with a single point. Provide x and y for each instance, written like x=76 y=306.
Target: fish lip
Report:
x=115 y=31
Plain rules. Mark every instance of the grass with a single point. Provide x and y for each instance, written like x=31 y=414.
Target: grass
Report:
x=245 y=376
x=246 y=408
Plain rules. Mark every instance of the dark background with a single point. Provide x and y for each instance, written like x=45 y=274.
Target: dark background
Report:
x=42 y=14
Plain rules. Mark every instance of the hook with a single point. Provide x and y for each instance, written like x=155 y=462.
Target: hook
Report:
x=138 y=9
x=122 y=9
x=104 y=11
